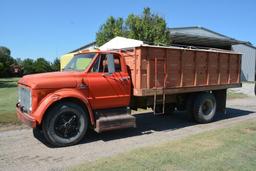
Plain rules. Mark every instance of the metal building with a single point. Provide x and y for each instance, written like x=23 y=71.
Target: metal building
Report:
x=248 y=61
x=202 y=37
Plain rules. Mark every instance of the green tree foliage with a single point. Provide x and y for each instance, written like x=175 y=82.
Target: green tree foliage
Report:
x=1 y=66
x=19 y=61
x=5 y=51
x=28 y=66
x=5 y=62
x=148 y=27
x=41 y=65
x=112 y=28
x=55 y=66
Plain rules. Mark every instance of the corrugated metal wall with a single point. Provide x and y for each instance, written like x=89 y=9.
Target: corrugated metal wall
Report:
x=248 y=61
x=197 y=31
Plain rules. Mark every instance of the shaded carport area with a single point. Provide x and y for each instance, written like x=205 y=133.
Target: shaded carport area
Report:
x=203 y=41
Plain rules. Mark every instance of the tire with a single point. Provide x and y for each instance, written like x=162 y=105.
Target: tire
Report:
x=204 y=108
x=65 y=124
x=255 y=89
x=37 y=132
x=39 y=135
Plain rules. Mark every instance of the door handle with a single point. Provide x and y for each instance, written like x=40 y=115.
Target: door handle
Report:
x=108 y=76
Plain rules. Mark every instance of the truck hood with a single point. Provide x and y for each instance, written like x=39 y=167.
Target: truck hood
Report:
x=51 y=80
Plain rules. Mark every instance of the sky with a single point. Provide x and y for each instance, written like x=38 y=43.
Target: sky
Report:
x=51 y=28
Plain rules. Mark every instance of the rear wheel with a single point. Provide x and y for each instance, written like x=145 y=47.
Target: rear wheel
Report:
x=255 y=89
x=204 y=108
x=65 y=124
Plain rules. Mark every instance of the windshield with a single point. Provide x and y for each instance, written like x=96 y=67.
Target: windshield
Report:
x=79 y=62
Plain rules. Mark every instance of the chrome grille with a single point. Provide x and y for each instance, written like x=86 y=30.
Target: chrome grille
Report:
x=24 y=97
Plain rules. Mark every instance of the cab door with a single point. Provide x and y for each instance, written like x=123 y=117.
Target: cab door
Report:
x=108 y=82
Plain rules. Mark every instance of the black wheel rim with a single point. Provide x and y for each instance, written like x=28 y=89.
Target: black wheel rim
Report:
x=207 y=107
x=67 y=125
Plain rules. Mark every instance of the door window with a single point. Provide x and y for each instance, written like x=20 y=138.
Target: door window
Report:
x=117 y=64
x=107 y=63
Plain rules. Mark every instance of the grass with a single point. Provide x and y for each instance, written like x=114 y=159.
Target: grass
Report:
x=8 y=99
x=232 y=148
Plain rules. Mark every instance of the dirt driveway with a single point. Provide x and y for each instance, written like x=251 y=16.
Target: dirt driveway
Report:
x=19 y=150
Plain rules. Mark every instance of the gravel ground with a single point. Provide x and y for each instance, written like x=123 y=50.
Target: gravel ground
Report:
x=247 y=88
x=21 y=151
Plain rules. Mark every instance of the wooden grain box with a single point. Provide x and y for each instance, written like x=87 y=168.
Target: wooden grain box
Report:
x=172 y=70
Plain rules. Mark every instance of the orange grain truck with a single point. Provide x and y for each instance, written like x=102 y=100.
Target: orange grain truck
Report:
x=97 y=89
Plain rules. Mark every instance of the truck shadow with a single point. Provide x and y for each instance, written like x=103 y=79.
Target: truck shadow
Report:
x=147 y=123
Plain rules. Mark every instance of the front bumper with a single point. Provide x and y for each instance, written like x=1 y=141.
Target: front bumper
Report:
x=25 y=118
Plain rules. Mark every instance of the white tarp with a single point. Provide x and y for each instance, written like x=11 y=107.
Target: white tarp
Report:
x=121 y=43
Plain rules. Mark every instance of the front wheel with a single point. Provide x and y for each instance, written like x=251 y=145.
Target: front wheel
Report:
x=65 y=124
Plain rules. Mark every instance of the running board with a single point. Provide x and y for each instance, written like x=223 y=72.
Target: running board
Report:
x=115 y=120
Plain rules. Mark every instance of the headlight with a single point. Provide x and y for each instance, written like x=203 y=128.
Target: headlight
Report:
x=19 y=99
x=30 y=100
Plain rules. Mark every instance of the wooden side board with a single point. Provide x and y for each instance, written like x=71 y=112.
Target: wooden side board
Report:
x=179 y=70
x=159 y=91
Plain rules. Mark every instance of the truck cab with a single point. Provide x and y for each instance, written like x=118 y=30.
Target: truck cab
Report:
x=92 y=91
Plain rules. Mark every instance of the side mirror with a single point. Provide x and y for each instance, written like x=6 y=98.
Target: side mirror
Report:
x=111 y=63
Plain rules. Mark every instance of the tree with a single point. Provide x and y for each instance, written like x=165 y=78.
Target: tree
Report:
x=41 y=65
x=28 y=66
x=5 y=51
x=1 y=67
x=9 y=66
x=112 y=28
x=55 y=66
x=148 y=27
x=5 y=62
x=19 y=61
